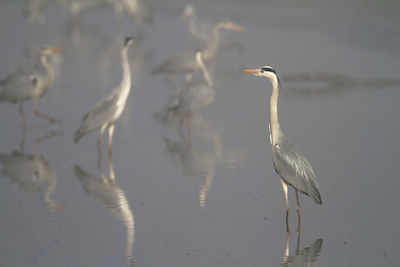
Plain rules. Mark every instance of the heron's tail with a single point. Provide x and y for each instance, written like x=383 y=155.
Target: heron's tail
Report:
x=315 y=194
x=77 y=136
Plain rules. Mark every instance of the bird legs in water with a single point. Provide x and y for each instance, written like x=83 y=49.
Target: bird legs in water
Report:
x=39 y=114
x=285 y=190
x=110 y=135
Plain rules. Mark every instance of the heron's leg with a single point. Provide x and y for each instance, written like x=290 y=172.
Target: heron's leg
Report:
x=102 y=129
x=189 y=127
x=110 y=136
x=181 y=122
x=21 y=113
x=39 y=114
x=285 y=189
x=298 y=213
x=111 y=168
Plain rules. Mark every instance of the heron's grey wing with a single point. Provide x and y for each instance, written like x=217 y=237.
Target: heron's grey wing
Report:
x=184 y=61
x=294 y=169
x=18 y=86
x=103 y=112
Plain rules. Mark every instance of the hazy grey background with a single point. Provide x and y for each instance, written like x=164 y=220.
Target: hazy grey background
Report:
x=349 y=132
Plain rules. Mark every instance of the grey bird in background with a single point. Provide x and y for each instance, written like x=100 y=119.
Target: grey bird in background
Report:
x=192 y=96
x=30 y=80
x=292 y=167
x=183 y=62
x=108 y=110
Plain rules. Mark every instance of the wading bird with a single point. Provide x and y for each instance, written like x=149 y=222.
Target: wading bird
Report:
x=30 y=80
x=109 y=109
x=292 y=167
x=184 y=62
x=191 y=97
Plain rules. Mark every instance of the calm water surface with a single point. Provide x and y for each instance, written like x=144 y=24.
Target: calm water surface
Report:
x=214 y=201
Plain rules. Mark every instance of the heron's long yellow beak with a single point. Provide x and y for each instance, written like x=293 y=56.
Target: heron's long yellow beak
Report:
x=55 y=50
x=251 y=71
x=236 y=28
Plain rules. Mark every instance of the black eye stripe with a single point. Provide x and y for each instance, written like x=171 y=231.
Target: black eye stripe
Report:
x=268 y=69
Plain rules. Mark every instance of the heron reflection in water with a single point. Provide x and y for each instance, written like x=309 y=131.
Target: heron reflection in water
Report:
x=33 y=173
x=201 y=155
x=183 y=62
x=30 y=80
x=291 y=165
x=108 y=110
x=107 y=193
x=304 y=257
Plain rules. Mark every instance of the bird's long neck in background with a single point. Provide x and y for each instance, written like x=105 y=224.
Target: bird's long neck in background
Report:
x=45 y=63
x=206 y=74
x=275 y=128
x=212 y=47
x=192 y=22
x=126 y=78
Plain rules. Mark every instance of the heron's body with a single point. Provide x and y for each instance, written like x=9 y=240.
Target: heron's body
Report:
x=30 y=80
x=194 y=95
x=291 y=165
x=109 y=109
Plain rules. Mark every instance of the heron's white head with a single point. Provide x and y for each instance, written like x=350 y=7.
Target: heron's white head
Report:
x=128 y=41
x=188 y=12
x=265 y=72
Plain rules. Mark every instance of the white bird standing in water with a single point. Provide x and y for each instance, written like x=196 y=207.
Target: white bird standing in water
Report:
x=30 y=80
x=107 y=111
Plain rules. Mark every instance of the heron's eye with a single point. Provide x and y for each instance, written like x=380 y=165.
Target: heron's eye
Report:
x=262 y=71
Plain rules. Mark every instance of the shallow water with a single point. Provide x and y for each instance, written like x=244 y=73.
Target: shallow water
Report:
x=217 y=200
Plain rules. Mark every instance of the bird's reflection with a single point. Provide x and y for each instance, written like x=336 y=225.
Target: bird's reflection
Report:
x=108 y=194
x=199 y=155
x=320 y=84
x=30 y=80
x=303 y=257
x=33 y=173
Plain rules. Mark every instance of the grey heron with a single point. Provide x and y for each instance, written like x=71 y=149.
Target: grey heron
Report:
x=202 y=32
x=291 y=165
x=184 y=62
x=193 y=96
x=108 y=110
x=30 y=80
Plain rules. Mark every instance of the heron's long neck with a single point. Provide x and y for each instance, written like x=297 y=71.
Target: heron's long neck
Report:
x=206 y=74
x=212 y=48
x=275 y=128
x=126 y=78
x=193 y=27
x=45 y=63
